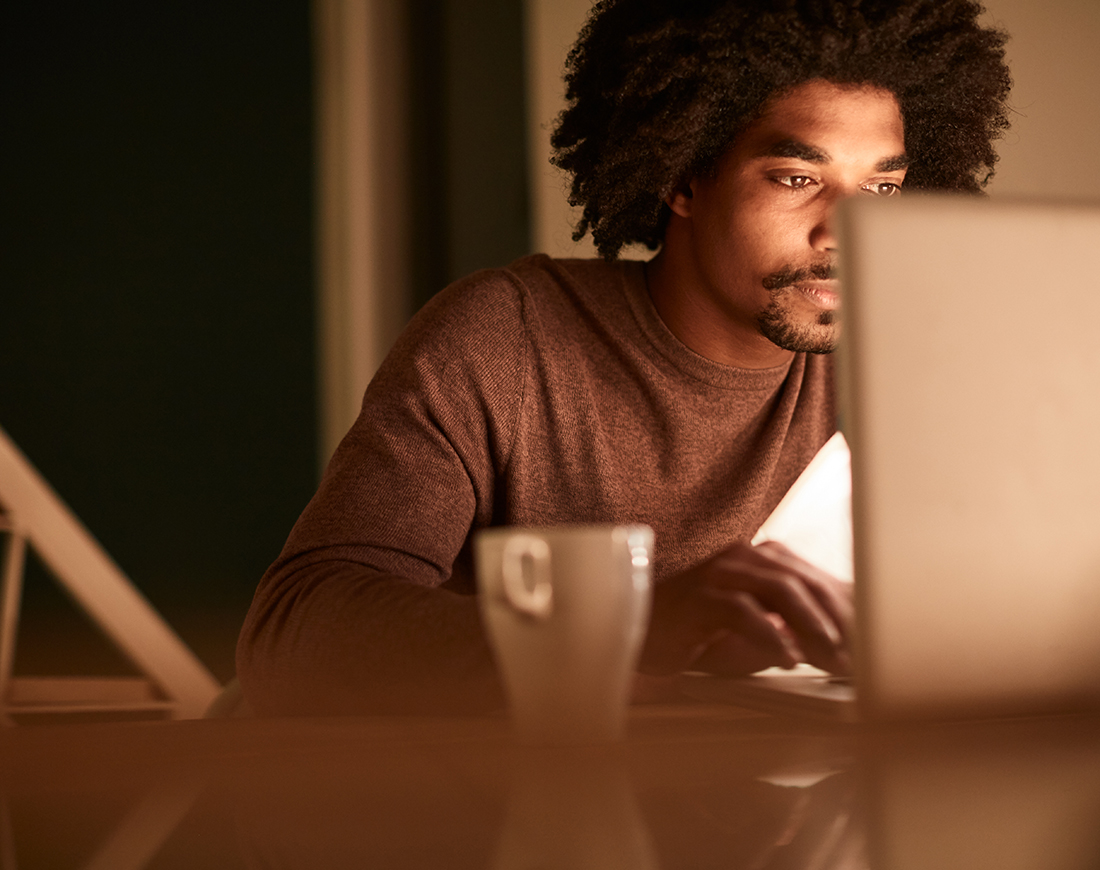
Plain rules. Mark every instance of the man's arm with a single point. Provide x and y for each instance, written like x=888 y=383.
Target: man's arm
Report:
x=340 y=639
x=358 y=613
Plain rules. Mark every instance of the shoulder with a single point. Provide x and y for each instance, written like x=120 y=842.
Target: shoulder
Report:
x=580 y=283
x=540 y=271
x=502 y=305
x=489 y=299
x=479 y=330
x=536 y=277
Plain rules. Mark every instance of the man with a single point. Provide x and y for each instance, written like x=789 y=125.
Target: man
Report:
x=688 y=392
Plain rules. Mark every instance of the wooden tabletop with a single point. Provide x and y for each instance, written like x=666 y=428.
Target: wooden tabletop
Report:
x=691 y=786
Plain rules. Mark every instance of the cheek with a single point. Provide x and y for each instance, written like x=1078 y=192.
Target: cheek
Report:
x=763 y=239
x=744 y=235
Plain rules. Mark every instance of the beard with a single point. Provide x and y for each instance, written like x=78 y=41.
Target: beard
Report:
x=783 y=324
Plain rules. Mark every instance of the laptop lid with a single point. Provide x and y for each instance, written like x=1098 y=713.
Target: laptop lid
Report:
x=970 y=389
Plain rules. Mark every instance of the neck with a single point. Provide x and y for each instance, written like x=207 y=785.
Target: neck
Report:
x=695 y=314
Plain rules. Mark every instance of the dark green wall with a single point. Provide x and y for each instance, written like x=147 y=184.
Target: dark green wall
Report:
x=156 y=323
x=156 y=306
x=470 y=199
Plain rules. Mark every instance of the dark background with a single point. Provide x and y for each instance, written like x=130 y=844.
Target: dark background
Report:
x=157 y=354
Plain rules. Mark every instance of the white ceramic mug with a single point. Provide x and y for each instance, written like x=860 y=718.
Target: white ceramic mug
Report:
x=566 y=609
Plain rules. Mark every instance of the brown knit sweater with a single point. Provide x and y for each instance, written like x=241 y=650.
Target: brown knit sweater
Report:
x=546 y=393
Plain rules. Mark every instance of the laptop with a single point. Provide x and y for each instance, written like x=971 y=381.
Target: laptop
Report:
x=969 y=381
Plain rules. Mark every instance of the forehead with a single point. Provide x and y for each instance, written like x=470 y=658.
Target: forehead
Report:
x=838 y=120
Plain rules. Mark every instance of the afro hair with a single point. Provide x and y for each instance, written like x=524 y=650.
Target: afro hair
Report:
x=659 y=89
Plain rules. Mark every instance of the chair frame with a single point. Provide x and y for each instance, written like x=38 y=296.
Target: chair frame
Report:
x=174 y=682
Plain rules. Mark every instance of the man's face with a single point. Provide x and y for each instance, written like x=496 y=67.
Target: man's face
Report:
x=759 y=244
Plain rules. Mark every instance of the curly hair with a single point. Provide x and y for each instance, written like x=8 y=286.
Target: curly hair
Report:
x=659 y=89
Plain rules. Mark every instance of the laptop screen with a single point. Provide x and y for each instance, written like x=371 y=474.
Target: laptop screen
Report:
x=970 y=388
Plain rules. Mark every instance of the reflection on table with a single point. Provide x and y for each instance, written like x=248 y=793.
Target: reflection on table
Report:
x=693 y=786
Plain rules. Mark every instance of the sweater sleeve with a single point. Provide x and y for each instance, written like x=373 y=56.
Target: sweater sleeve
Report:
x=364 y=610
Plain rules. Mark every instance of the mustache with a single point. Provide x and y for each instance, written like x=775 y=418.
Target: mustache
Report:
x=788 y=276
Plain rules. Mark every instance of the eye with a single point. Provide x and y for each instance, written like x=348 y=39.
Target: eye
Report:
x=796 y=182
x=883 y=188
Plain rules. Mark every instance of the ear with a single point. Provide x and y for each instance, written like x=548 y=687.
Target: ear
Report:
x=679 y=200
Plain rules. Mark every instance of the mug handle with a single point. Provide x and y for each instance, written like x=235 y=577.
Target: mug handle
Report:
x=525 y=570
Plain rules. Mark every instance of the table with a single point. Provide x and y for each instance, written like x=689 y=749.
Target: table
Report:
x=691 y=786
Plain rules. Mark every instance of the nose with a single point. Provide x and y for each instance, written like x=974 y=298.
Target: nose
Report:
x=822 y=236
x=822 y=233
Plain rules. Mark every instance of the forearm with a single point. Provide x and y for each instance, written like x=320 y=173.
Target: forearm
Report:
x=337 y=638
x=356 y=615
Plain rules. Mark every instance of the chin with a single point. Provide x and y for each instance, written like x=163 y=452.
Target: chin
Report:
x=802 y=337
x=789 y=324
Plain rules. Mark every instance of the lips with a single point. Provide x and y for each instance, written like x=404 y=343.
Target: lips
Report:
x=789 y=276
x=826 y=294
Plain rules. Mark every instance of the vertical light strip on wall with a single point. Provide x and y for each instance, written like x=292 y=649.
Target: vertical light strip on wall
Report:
x=361 y=244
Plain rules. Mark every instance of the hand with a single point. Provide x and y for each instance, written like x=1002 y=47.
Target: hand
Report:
x=748 y=608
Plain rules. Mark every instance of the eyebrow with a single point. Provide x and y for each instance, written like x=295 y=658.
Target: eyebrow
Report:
x=796 y=150
x=802 y=151
x=893 y=164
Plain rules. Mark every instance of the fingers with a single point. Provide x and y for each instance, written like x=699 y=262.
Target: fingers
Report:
x=814 y=605
x=833 y=594
x=689 y=619
x=735 y=655
x=781 y=609
x=743 y=616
